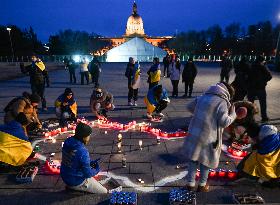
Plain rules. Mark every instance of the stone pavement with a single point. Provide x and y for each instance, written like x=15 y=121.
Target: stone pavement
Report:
x=154 y=164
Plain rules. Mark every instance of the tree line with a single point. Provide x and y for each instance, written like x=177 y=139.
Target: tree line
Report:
x=256 y=39
x=260 y=38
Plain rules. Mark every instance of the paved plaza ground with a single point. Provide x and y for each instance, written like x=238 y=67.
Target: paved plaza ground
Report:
x=155 y=164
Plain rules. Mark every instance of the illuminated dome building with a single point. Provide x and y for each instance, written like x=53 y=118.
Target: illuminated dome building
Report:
x=134 y=28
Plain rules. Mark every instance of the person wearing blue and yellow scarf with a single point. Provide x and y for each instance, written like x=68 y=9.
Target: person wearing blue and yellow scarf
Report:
x=133 y=75
x=156 y=101
x=154 y=73
x=66 y=107
x=15 y=147
x=38 y=78
x=264 y=163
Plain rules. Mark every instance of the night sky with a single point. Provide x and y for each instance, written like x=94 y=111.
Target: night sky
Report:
x=108 y=17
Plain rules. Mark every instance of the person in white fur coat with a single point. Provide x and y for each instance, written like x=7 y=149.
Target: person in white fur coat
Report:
x=212 y=112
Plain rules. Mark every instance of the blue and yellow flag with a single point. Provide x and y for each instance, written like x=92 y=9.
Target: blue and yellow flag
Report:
x=15 y=147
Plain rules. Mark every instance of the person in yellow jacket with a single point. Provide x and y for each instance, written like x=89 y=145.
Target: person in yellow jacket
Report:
x=264 y=163
x=154 y=73
x=66 y=107
x=15 y=147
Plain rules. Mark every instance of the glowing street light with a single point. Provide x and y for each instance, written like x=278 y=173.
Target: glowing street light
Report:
x=9 y=30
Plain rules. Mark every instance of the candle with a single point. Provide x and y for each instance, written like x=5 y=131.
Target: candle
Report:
x=62 y=143
x=158 y=140
x=119 y=137
x=53 y=140
x=140 y=144
x=119 y=147
x=123 y=162
x=106 y=132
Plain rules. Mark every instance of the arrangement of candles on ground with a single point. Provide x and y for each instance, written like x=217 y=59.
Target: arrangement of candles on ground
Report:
x=142 y=127
x=220 y=173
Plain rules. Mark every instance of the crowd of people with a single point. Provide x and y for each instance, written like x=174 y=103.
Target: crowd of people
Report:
x=212 y=112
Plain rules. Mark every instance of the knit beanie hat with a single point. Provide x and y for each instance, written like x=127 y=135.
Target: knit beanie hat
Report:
x=34 y=98
x=82 y=130
x=267 y=130
x=21 y=118
x=68 y=91
x=98 y=93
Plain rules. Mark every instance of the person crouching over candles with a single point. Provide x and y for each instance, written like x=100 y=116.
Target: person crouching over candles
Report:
x=66 y=107
x=264 y=162
x=101 y=102
x=212 y=112
x=77 y=170
x=156 y=101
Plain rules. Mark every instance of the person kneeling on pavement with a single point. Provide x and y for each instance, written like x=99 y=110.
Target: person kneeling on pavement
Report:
x=212 y=112
x=156 y=101
x=15 y=147
x=101 y=102
x=66 y=107
x=27 y=104
x=77 y=170
x=264 y=162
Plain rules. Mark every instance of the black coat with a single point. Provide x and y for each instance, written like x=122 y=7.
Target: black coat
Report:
x=129 y=73
x=258 y=77
x=37 y=76
x=189 y=72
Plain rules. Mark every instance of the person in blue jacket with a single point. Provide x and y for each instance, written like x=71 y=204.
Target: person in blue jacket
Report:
x=77 y=170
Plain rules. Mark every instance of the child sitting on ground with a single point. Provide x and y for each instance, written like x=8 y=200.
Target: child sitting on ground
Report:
x=77 y=170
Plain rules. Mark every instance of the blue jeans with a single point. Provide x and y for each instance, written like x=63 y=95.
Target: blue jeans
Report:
x=192 y=169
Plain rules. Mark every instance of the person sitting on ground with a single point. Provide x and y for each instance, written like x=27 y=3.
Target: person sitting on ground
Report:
x=27 y=104
x=156 y=101
x=101 y=102
x=77 y=170
x=66 y=107
x=264 y=162
x=212 y=112
x=15 y=147
x=154 y=73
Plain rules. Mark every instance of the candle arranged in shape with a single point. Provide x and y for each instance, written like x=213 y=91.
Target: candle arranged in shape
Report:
x=140 y=144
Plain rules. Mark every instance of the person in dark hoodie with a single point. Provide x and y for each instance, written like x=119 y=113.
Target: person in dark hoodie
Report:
x=77 y=169
x=66 y=107
x=154 y=73
x=188 y=77
x=15 y=146
x=258 y=77
x=38 y=78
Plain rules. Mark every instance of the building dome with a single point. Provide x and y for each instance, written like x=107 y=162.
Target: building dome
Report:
x=134 y=26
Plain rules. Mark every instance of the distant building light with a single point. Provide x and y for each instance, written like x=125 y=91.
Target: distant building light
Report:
x=9 y=29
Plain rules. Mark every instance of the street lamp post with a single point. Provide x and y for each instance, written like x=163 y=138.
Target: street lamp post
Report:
x=12 y=49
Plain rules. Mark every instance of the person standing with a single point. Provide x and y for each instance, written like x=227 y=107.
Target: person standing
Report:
x=38 y=78
x=77 y=170
x=166 y=63
x=154 y=73
x=258 y=77
x=133 y=75
x=240 y=82
x=175 y=77
x=72 y=70
x=95 y=70
x=188 y=77
x=212 y=112
x=226 y=66
x=84 y=71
